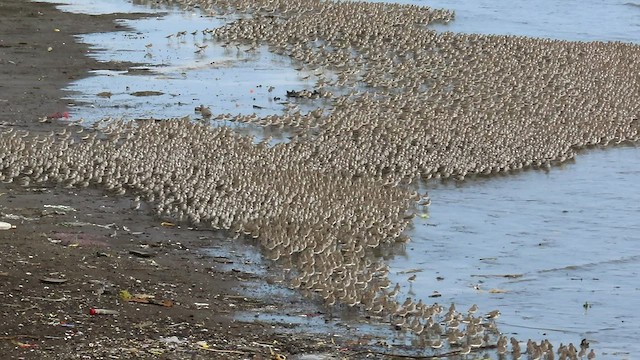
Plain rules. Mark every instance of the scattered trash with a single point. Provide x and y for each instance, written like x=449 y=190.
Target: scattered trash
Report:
x=81 y=223
x=202 y=344
x=60 y=207
x=201 y=305
x=94 y=311
x=6 y=226
x=167 y=224
x=24 y=345
x=53 y=280
x=62 y=324
x=19 y=217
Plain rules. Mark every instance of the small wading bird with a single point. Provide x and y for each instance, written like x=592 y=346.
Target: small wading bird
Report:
x=204 y=111
x=493 y=315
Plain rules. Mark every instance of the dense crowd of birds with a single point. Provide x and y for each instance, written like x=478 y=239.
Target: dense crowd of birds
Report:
x=412 y=104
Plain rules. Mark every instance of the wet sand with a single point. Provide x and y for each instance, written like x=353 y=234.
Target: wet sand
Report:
x=59 y=262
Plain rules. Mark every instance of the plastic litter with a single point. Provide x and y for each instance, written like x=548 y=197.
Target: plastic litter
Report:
x=94 y=311
x=6 y=226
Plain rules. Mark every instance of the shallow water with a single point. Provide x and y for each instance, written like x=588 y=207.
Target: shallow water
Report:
x=570 y=236
x=181 y=72
x=590 y=20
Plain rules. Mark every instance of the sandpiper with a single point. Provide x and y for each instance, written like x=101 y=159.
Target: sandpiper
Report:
x=492 y=315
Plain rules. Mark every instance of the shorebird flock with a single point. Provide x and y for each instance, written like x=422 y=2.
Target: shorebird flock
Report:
x=412 y=105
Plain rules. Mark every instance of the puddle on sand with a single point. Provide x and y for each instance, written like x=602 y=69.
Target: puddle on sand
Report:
x=183 y=67
x=101 y=7
x=568 y=239
x=295 y=313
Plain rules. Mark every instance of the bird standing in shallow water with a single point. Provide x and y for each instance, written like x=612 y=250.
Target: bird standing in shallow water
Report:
x=493 y=315
x=204 y=111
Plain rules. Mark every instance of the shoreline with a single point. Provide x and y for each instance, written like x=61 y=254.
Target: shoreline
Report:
x=84 y=248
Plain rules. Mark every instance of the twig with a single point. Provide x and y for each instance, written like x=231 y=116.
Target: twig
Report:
x=15 y=337
x=27 y=308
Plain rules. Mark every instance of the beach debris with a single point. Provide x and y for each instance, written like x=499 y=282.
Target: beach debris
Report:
x=82 y=223
x=94 y=311
x=6 y=226
x=201 y=305
x=435 y=294
x=144 y=299
x=202 y=344
x=60 y=207
x=50 y=280
x=23 y=345
x=141 y=253
x=20 y=217
x=167 y=224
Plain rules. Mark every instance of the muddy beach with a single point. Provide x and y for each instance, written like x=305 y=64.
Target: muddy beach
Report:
x=326 y=208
